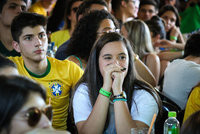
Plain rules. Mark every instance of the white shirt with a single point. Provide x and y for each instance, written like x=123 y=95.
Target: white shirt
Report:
x=146 y=107
x=179 y=78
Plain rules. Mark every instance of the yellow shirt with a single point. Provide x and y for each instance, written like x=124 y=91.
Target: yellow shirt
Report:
x=60 y=37
x=193 y=103
x=59 y=79
x=39 y=9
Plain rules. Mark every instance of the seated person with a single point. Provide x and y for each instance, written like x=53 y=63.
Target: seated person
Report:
x=139 y=36
x=183 y=74
x=109 y=90
x=58 y=77
x=193 y=103
x=22 y=106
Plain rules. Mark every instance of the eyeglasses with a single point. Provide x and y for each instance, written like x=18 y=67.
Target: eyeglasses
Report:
x=75 y=9
x=109 y=31
x=34 y=115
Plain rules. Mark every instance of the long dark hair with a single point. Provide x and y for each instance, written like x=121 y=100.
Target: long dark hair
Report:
x=85 y=34
x=14 y=92
x=173 y=9
x=94 y=80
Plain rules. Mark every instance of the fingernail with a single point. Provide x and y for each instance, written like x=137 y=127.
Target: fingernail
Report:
x=123 y=69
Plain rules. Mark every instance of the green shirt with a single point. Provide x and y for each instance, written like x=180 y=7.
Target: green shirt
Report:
x=4 y=51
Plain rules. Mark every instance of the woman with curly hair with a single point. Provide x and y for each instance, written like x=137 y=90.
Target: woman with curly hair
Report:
x=85 y=34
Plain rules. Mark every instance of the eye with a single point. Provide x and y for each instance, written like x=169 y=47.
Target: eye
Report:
x=41 y=35
x=12 y=6
x=28 y=38
x=172 y=20
x=23 y=8
x=107 y=58
x=122 y=57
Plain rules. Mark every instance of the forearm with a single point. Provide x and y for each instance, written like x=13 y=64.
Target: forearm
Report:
x=96 y=121
x=123 y=119
x=169 y=55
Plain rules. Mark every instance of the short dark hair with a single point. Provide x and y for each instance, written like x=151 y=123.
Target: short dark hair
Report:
x=85 y=6
x=149 y=2
x=3 y=2
x=156 y=26
x=170 y=8
x=23 y=20
x=191 y=125
x=5 y=62
x=14 y=92
x=192 y=46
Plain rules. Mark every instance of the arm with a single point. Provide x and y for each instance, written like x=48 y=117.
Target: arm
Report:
x=153 y=63
x=169 y=44
x=123 y=119
x=92 y=125
x=170 y=55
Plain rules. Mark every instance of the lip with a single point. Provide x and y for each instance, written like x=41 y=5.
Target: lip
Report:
x=39 y=51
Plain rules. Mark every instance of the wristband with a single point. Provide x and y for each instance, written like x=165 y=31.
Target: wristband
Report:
x=104 y=92
x=119 y=99
x=173 y=38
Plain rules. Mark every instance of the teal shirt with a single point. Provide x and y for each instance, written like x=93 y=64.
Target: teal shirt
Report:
x=5 y=52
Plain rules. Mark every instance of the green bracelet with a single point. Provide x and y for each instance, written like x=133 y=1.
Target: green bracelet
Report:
x=105 y=93
x=119 y=99
x=173 y=38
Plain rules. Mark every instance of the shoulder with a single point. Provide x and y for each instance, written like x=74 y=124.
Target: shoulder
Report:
x=142 y=95
x=60 y=32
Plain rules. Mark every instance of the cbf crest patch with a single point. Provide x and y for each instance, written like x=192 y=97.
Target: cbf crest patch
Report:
x=56 y=88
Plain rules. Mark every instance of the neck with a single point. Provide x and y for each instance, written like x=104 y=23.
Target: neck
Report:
x=193 y=58
x=121 y=16
x=5 y=36
x=36 y=67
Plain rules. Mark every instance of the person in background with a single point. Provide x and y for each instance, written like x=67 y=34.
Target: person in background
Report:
x=124 y=10
x=181 y=75
x=172 y=23
x=88 y=29
x=8 y=10
x=193 y=103
x=109 y=90
x=139 y=36
x=7 y=67
x=147 y=9
x=157 y=29
x=84 y=8
x=43 y=7
x=61 y=36
x=22 y=106
x=58 y=77
x=191 y=125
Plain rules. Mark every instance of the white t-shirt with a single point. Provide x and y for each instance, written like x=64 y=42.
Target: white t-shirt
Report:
x=146 y=107
x=179 y=78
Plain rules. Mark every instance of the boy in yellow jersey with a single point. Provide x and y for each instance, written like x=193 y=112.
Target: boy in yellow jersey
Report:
x=58 y=77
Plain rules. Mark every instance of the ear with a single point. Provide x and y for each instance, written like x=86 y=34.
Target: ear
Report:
x=123 y=4
x=15 y=45
x=157 y=36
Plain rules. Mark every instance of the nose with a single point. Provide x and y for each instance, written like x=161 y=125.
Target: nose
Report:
x=44 y=122
x=116 y=62
x=18 y=9
x=38 y=42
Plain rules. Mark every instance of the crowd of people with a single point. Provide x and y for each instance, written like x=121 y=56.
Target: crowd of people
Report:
x=114 y=59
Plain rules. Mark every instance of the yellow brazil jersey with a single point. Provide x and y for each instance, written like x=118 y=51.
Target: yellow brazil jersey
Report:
x=193 y=103
x=60 y=37
x=59 y=78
